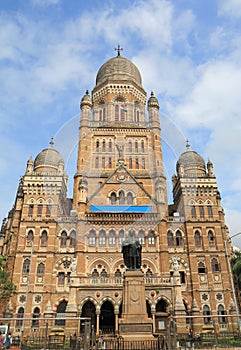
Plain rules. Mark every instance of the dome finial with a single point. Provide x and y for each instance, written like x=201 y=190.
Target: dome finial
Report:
x=187 y=145
x=51 y=142
x=118 y=49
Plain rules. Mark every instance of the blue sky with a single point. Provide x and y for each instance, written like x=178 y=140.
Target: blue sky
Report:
x=188 y=52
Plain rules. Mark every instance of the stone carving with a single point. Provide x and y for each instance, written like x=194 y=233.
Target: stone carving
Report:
x=131 y=250
x=74 y=265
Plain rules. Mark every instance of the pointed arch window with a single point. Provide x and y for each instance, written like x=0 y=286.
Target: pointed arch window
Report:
x=211 y=238
x=112 y=238
x=20 y=315
x=130 y=198
x=193 y=211
x=130 y=146
x=121 y=236
x=102 y=238
x=141 y=237
x=40 y=269
x=201 y=211
x=110 y=162
x=44 y=239
x=206 y=313
x=113 y=198
x=96 y=162
x=136 y=146
x=130 y=163
x=210 y=211
x=26 y=266
x=179 y=240
x=30 y=210
x=201 y=268
x=142 y=146
x=197 y=237
x=110 y=145
x=92 y=237
x=221 y=312
x=72 y=239
x=121 y=197
x=215 y=265
x=63 y=239
x=97 y=146
x=170 y=239
x=143 y=165
x=39 y=209
x=136 y=112
x=61 y=278
x=151 y=238
x=137 y=163
x=117 y=112
x=103 y=146
x=30 y=236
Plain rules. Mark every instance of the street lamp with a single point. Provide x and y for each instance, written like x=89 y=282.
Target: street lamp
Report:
x=231 y=277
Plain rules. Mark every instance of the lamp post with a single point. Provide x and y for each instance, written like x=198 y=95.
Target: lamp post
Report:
x=28 y=283
x=231 y=278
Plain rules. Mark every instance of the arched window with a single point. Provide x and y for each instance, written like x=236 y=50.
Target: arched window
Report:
x=72 y=239
x=118 y=276
x=102 y=238
x=201 y=211
x=211 y=238
x=130 y=146
x=141 y=237
x=170 y=239
x=40 y=269
x=121 y=197
x=95 y=273
x=215 y=265
x=178 y=239
x=36 y=315
x=104 y=114
x=63 y=239
x=60 y=321
x=39 y=209
x=137 y=163
x=206 y=313
x=136 y=146
x=96 y=162
x=26 y=266
x=110 y=145
x=97 y=146
x=121 y=236
x=117 y=113
x=112 y=238
x=103 y=146
x=19 y=315
x=142 y=146
x=197 y=237
x=100 y=115
x=130 y=198
x=92 y=237
x=210 y=211
x=201 y=267
x=151 y=238
x=130 y=163
x=193 y=211
x=136 y=112
x=143 y=165
x=103 y=273
x=222 y=313
x=113 y=198
x=30 y=236
x=103 y=162
x=43 y=239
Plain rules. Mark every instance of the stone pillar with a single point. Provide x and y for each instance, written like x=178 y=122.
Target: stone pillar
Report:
x=116 y=319
x=71 y=325
x=195 y=321
x=97 y=322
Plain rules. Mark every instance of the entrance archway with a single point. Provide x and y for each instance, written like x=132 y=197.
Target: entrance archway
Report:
x=60 y=314
x=107 y=318
x=88 y=310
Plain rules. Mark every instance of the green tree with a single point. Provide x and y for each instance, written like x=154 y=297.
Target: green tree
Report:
x=7 y=288
x=236 y=268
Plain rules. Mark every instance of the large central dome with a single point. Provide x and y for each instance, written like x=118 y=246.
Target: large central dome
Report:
x=118 y=68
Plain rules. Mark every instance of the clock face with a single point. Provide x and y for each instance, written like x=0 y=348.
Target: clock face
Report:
x=121 y=175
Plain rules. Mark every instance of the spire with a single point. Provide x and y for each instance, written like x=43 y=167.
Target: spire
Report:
x=187 y=145
x=118 y=49
x=51 y=142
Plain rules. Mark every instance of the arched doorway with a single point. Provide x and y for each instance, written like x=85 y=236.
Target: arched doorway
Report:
x=60 y=313
x=161 y=316
x=107 y=318
x=88 y=310
x=148 y=309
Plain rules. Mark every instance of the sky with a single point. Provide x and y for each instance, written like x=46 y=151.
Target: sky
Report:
x=188 y=53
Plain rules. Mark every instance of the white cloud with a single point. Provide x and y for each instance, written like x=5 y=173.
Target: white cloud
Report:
x=230 y=8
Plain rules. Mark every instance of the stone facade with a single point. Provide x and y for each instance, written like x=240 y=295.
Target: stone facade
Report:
x=65 y=253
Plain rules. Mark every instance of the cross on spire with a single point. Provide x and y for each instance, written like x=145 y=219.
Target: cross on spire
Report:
x=51 y=142
x=187 y=145
x=118 y=49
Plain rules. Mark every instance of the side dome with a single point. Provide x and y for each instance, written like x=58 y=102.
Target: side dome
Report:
x=49 y=160
x=118 y=68
x=190 y=162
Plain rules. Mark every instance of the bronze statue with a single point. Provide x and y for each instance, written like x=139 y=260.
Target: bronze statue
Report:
x=131 y=250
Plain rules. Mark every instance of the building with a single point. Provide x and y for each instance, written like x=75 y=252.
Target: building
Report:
x=65 y=253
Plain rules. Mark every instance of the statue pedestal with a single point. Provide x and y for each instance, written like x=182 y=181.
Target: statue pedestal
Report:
x=134 y=322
